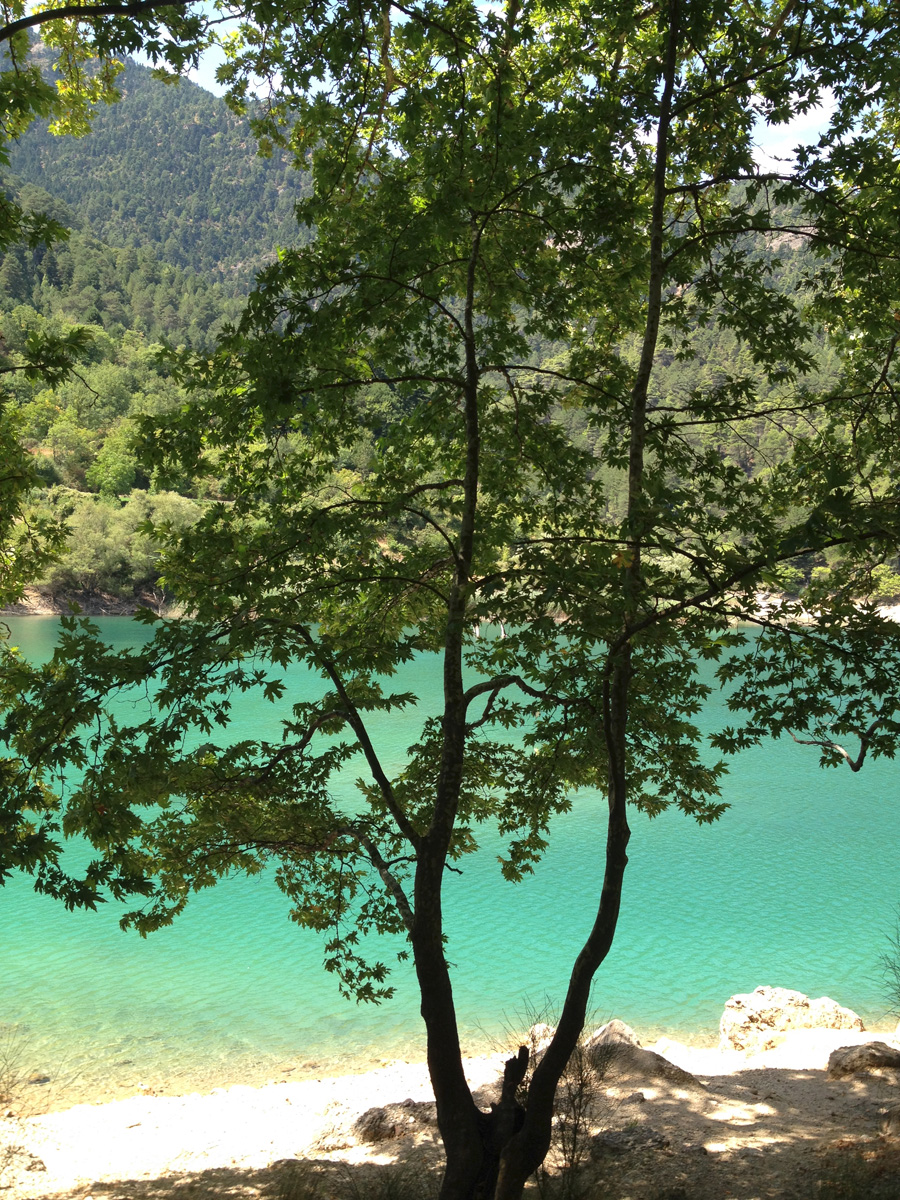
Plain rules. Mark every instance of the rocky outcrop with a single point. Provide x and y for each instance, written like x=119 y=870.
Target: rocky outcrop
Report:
x=615 y=1052
x=541 y=1035
x=382 y=1124
x=756 y=1021
x=613 y=1031
x=616 y=1061
x=39 y=603
x=871 y=1056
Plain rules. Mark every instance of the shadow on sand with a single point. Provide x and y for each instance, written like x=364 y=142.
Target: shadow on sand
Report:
x=291 y=1179
x=755 y=1135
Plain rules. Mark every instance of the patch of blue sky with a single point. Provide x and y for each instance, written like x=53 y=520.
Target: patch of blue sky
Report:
x=776 y=145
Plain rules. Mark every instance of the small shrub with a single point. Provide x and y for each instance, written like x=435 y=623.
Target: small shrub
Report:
x=890 y=967
x=25 y=1092
x=300 y=1181
x=13 y=1055
x=885 y=585
x=582 y=1109
x=366 y=1181
x=398 y=1181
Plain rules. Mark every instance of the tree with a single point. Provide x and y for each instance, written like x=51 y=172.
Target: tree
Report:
x=397 y=474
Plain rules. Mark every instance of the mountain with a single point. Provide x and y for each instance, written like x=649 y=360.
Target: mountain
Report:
x=171 y=169
x=172 y=212
x=84 y=281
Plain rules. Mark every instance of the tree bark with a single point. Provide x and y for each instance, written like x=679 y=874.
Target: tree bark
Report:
x=465 y=1130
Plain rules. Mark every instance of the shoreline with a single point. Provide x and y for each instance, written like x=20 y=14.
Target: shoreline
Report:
x=738 y=1105
x=52 y=1082
x=35 y=603
x=42 y=1090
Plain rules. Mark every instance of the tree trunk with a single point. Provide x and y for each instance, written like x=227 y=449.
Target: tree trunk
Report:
x=473 y=1140
x=527 y=1149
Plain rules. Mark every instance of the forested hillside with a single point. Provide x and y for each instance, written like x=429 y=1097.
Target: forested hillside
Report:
x=171 y=169
x=171 y=213
x=85 y=280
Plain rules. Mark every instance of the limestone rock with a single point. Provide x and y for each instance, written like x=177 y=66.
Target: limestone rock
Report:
x=623 y=1060
x=755 y=1021
x=613 y=1031
x=394 y=1121
x=539 y=1037
x=872 y=1056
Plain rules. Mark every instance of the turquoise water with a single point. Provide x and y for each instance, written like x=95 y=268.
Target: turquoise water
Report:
x=796 y=887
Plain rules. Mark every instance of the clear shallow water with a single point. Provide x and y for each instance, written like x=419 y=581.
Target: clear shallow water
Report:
x=796 y=887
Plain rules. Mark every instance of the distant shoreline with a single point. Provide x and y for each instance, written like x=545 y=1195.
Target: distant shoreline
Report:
x=36 y=603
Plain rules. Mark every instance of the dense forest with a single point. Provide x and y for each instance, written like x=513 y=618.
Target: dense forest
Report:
x=171 y=212
x=171 y=170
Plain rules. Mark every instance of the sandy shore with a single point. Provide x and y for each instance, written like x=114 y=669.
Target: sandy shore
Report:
x=746 y=1128
x=238 y=1129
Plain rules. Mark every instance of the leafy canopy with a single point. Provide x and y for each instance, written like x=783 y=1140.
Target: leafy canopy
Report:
x=398 y=473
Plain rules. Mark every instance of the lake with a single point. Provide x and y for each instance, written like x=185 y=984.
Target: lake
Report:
x=796 y=887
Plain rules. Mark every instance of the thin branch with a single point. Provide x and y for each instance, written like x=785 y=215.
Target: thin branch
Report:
x=356 y=723
x=85 y=11
x=681 y=189
x=855 y=764
x=500 y=682
x=383 y=867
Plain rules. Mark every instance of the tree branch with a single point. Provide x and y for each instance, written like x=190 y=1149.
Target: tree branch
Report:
x=855 y=764
x=356 y=723
x=84 y=12
x=384 y=870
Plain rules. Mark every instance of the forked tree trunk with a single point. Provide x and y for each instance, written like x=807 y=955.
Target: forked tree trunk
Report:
x=491 y=1155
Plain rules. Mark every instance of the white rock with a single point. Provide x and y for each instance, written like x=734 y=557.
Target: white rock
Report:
x=540 y=1036
x=613 y=1031
x=754 y=1022
x=804 y=1049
